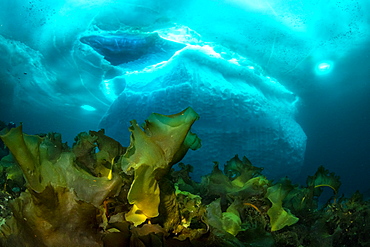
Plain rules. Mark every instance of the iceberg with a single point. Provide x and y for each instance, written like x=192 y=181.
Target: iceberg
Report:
x=242 y=110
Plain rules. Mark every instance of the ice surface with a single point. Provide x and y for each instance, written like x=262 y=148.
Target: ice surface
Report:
x=123 y=48
x=285 y=37
x=242 y=111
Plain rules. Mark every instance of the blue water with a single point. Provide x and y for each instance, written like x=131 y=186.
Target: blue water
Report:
x=303 y=66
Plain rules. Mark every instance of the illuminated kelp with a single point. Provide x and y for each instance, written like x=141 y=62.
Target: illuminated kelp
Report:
x=98 y=193
x=62 y=200
x=163 y=142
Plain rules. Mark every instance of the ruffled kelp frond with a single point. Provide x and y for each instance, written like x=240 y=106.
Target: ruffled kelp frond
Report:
x=324 y=178
x=279 y=217
x=240 y=171
x=163 y=141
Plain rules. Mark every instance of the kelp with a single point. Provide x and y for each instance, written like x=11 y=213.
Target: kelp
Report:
x=97 y=163
x=279 y=217
x=228 y=221
x=78 y=182
x=163 y=142
x=61 y=198
x=240 y=171
x=324 y=178
x=98 y=193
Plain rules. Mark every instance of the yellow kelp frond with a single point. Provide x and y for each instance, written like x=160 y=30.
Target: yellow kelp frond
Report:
x=163 y=141
x=144 y=193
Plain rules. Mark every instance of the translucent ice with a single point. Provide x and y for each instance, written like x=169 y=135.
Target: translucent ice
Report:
x=242 y=111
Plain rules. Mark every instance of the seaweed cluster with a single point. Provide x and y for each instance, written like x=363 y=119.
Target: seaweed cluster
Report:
x=98 y=193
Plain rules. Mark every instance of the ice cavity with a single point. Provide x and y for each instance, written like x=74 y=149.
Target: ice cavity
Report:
x=242 y=110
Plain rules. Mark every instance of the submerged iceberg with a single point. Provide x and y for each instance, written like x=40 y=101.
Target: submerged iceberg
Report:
x=242 y=110
x=54 y=68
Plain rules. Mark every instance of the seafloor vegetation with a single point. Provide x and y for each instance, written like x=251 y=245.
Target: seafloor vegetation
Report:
x=98 y=193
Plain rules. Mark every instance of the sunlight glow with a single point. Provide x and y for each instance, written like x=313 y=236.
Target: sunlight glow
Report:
x=324 y=67
x=88 y=108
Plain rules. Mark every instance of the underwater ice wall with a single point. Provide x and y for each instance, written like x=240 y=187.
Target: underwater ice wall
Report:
x=242 y=111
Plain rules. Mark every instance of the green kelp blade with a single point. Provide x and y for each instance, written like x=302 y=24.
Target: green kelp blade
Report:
x=228 y=221
x=324 y=178
x=279 y=217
